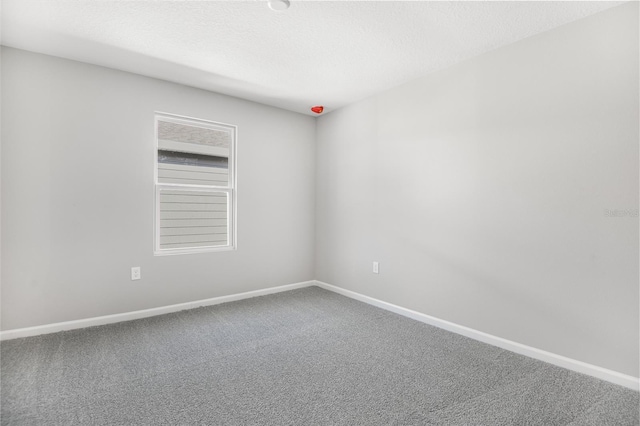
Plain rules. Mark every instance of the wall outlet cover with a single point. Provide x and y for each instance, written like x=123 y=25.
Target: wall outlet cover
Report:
x=135 y=273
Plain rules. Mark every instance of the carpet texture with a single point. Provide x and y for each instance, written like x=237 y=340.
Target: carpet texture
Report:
x=304 y=357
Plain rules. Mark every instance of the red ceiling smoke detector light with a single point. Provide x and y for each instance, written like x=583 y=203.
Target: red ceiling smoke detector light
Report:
x=317 y=109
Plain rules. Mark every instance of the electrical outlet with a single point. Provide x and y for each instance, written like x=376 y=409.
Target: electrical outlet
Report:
x=135 y=273
x=375 y=267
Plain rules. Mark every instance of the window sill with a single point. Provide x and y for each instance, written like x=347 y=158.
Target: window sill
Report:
x=195 y=250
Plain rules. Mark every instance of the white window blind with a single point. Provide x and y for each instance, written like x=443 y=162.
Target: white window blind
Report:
x=195 y=185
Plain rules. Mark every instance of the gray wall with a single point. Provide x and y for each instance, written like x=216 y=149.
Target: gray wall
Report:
x=482 y=191
x=78 y=194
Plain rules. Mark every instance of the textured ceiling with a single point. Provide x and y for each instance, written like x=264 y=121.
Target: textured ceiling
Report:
x=316 y=52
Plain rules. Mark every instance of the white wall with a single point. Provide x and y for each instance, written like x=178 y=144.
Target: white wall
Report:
x=482 y=190
x=72 y=228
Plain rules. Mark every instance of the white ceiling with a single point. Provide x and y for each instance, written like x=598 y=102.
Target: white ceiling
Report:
x=317 y=52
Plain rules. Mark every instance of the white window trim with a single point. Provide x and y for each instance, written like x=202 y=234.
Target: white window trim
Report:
x=231 y=190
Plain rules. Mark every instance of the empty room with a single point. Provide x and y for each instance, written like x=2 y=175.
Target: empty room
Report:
x=292 y=212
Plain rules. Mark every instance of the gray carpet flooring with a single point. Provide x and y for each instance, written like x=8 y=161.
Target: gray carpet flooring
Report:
x=304 y=357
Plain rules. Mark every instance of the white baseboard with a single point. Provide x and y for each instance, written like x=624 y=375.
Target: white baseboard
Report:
x=559 y=360
x=127 y=316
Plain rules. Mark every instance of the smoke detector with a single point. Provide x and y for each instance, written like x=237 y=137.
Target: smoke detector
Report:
x=279 y=4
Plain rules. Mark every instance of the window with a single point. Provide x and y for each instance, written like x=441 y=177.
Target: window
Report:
x=195 y=185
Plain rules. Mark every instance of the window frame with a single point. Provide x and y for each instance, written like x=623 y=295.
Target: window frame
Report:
x=230 y=189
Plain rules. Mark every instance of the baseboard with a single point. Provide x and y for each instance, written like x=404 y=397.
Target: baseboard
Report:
x=539 y=354
x=127 y=316
x=559 y=360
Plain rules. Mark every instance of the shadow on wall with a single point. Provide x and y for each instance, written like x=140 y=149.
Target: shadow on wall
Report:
x=135 y=62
